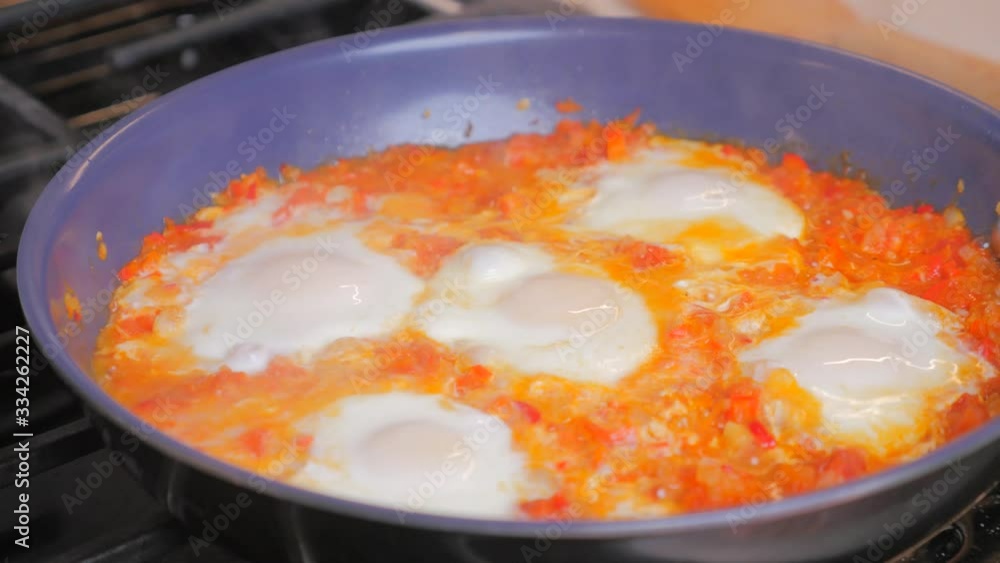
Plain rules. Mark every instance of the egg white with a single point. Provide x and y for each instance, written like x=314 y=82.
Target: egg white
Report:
x=415 y=453
x=248 y=223
x=657 y=197
x=874 y=362
x=508 y=304
x=295 y=296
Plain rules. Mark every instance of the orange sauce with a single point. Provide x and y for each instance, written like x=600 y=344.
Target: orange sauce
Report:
x=685 y=432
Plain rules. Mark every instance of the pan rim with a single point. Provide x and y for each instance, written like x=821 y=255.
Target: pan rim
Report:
x=36 y=240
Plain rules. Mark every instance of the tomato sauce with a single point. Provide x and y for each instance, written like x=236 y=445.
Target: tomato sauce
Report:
x=686 y=432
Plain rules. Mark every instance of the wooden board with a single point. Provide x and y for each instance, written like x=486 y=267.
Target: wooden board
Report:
x=832 y=23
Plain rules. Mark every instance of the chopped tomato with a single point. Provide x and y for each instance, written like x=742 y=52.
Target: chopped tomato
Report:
x=632 y=118
x=137 y=325
x=303 y=442
x=72 y=305
x=547 y=508
x=418 y=358
x=511 y=203
x=680 y=331
x=744 y=404
x=585 y=430
x=778 y=274
x=783 y=273
x=623 y=436
x=290 y=173
x=429 y=249
x=358 y=203
x=524 y=150
x=530 y=412
x=514 y=410
x=645 y=256
x=243 y=189
x=302 y=197
x=154 y=241
x=842 y=465
x=475 y=377
x=792 y=161
x=761 y=434
x=257 y=441
x=617 y=144
x=937 y=292
x=178 y=237
x=143 y=265
x=964 y=415
x=159 y=410
x=177 y=228
x=568 y=106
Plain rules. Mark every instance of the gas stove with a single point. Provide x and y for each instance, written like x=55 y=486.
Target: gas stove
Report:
x=68 y=70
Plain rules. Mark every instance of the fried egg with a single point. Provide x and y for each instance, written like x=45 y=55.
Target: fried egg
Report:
x=660 y=197
x=414 y=453
x=507 y=303
x=245 y=225
x=873 y=362
x=294 y=296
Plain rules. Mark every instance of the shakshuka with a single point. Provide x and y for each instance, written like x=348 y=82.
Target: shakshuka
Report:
x=601 y=322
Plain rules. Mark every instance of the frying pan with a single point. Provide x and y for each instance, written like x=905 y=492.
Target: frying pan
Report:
x=346 y=96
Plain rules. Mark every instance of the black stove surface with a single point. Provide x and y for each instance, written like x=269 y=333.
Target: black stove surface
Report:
x=68 y=70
